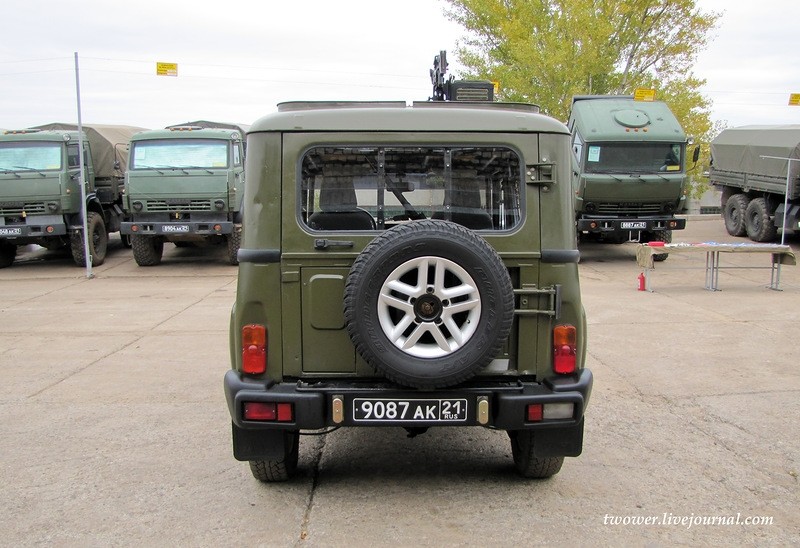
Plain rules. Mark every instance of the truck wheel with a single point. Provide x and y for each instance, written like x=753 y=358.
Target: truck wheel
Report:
x=662 y=236
x=528 y=465
x=234 y=243
x=7 y=254
x=98 y=241
x=147 y=250
x=279 y=470
x=734 y=214
x=428 y=303
x=760 y=227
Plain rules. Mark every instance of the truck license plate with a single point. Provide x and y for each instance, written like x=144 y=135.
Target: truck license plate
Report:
x=10 y=231
x=634 y=224
x=411 y=410
x=175 y=228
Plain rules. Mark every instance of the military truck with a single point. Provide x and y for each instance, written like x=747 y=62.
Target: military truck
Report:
x=40 y=193
x=412 y=266
x=748 y=165
x=184 y=185
x=630 y=169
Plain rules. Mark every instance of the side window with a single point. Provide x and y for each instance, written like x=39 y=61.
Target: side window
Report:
x=577 y=147
x=237 y=154
x=375 y=188
x=73 y=160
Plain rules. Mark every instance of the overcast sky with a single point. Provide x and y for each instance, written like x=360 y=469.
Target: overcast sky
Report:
x=237 y=60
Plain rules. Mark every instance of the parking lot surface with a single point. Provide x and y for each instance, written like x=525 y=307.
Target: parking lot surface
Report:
x=114 y=428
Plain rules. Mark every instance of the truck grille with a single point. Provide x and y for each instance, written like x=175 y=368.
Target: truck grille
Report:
x=15 y=209
x=178 y=205
x=629 y=209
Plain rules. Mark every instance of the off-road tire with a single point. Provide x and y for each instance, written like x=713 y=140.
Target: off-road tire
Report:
x=662 y=236
x=733 y=213
x=234 y=240
x=525 y=462
x=7 y=254
x=98 y=241
x=428 y=303
x=760 y=227
x=147 y=250
x=283 y=469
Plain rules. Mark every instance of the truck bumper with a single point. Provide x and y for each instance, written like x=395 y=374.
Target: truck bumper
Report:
x=497 y=404
x=178 y=228
x=35 y=226
x=599 y=224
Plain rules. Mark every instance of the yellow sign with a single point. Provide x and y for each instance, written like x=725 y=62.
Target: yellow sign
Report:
x=167 y=69
x=642 y=94
x=496 y=85
x=794 y=99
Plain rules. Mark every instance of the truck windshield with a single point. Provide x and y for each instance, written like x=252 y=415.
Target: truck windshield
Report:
x=633 y=157
x=34 y=156
x=180 y=153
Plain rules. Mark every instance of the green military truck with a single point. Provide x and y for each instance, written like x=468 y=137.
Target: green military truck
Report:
x=184 y=185
x=40 y=193
x=630 y=169
x=759 y=184
x=411 y=266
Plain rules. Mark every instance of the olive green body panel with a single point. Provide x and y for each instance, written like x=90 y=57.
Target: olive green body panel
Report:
x=297 y=289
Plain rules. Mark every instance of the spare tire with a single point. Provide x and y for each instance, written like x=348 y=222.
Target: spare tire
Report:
x=428 y=303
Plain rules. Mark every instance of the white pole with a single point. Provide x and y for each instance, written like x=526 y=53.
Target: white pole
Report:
x=83 y=182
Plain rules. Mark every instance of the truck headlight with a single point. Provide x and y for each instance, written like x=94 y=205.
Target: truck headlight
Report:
x=137 y=205
x=219 y=204
x=52 y=206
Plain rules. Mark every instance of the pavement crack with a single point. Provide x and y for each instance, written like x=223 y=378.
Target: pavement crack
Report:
x=311 y=492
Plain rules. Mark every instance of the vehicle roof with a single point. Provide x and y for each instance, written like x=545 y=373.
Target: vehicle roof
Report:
x=620 y=118
x=400 y=117
x=242 y=128
x=194 y=133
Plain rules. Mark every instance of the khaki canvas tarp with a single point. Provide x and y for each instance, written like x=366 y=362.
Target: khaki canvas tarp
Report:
x=108 y=143
x=741 y=149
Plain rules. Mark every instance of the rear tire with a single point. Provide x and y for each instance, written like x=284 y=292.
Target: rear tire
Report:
x=147 y=250
x=760 y=227
x=98 y=241
x=734 y=214
x=283 y=469
x=527 y=465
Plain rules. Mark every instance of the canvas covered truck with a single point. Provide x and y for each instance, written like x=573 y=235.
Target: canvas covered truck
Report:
x=184 y=185
x=749 y=165
x=40 y=194
x=630 y=169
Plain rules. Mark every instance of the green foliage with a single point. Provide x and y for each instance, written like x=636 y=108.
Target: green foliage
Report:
x=546 y=51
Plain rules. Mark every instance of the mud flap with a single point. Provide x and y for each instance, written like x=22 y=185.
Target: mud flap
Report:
x=558 y=442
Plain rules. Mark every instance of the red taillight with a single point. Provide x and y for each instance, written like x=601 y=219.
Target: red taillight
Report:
x=268 y=411
x=535 y=412
x=564 y=349
x=254 y=349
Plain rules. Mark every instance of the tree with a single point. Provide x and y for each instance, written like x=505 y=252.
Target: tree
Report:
x=546 y=51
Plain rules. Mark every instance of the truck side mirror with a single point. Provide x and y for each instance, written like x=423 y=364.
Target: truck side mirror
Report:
x=696 y=154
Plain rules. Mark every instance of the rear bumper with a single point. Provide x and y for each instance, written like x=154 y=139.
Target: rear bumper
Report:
x=600 y=224
x=178 y=228
x=313 y=403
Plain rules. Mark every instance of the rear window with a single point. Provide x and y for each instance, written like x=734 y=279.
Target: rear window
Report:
x=375 y=188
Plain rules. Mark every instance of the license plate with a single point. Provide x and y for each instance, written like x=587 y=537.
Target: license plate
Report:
x=10 y=231
x=175 y=228
x=634 y=224
x=411 y=410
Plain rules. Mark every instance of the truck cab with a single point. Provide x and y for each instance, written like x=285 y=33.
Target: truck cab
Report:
x=630 y=169
x=40 y=193
x=184 y=185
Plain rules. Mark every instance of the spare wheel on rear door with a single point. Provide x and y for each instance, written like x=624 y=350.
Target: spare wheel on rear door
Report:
x=428 y=303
